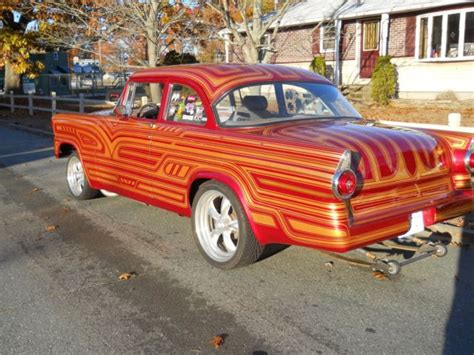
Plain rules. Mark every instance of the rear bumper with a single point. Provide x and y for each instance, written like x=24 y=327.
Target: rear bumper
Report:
x=344 y=237
x=458 y=204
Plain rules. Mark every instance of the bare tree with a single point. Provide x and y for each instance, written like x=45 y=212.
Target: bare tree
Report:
x=249 y=28
x=143 y=29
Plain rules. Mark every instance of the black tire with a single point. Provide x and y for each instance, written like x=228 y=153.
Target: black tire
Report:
x=86 y=192
x=248 y=249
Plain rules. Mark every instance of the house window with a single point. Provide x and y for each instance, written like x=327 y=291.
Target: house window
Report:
x=469 y=35
x=422 y=49
x=55 y=56
x=436 y=36
x=447 y=35
x=328 y=38
x=371 y=36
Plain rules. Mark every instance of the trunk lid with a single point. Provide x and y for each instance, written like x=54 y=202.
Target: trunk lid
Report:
x=398 y=167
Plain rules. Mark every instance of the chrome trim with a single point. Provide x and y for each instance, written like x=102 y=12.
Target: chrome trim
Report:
x=345 y=163
x=467 y=158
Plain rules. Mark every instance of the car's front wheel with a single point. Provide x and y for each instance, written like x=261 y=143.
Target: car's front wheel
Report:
x=76 y=179
x=221 y=229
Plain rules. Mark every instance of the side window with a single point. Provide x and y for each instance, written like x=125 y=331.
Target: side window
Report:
x=144 y=100
x=185 y=105
x=254 y=104
x=298 y=100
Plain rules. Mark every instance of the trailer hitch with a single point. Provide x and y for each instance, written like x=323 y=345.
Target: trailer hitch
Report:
x=423 y=249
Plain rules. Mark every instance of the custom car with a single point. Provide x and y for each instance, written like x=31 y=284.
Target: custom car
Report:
x=265 y=154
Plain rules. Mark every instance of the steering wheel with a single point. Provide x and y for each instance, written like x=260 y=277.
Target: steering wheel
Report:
x=145 y=108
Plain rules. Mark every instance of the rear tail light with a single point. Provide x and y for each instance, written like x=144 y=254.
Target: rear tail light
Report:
x=344 y=183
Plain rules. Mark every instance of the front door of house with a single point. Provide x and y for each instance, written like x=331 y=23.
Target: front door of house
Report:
x=369 y=47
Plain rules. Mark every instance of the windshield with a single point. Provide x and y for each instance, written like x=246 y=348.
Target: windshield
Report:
x=281 y=102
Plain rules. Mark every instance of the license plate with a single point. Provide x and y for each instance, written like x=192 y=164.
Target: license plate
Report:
x=417 y=225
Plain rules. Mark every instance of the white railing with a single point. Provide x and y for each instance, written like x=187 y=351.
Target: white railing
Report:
x=81 y=101
x=453 y=128
x=454 y=125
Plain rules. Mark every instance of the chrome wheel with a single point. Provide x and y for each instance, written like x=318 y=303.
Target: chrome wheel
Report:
x=217 y=226
x=75 y=176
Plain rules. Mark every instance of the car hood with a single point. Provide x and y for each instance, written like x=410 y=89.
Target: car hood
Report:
x=381 y=152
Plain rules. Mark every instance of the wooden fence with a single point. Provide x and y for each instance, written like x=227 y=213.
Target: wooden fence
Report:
x=81 y=101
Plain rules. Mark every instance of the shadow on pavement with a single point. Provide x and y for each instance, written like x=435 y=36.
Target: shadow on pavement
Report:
x=459 y=335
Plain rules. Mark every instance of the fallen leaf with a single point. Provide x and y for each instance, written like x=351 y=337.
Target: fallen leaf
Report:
x=36 y=189
x=52 y=228
x=127 y=275
x=217 y=341
x=65 y=210
x=329 y=265
x=379 y=275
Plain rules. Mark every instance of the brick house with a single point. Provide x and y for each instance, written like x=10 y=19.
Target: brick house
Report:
x=431 y=42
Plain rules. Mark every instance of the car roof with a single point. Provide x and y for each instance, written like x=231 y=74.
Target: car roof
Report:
x=216 y=79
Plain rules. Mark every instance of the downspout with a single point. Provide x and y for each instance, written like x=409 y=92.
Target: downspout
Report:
x=225 y=35
x=385 y=23
x=337 y=70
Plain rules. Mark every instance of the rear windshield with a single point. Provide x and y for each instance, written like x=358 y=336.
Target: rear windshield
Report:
x=281 y=102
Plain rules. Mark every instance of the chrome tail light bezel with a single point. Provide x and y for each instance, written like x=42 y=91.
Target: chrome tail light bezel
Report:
x=345 y=165
x=467 y=158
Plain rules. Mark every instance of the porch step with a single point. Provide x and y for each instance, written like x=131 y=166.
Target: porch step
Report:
x=357 y=92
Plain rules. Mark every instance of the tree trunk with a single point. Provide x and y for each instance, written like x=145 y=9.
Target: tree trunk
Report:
x=12 y=79
x=155 y=89
x=249 y=53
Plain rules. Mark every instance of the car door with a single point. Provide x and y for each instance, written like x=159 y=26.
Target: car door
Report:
x=172 y=150
x=123 y=159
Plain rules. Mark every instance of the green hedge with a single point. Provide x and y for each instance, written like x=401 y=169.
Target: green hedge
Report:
x=318 y=65
x=384 y=80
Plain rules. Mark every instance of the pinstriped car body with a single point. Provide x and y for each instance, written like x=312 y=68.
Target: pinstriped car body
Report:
x=282 y=173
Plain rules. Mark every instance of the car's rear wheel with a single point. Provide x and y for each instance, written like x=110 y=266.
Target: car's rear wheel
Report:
x=76 y=179
x=221 y=229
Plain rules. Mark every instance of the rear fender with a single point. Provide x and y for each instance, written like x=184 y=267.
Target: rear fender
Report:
x=458 y=144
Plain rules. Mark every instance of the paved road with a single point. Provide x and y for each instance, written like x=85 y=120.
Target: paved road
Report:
x=60 y=292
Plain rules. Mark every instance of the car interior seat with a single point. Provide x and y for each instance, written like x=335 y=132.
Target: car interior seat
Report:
x=254 y=108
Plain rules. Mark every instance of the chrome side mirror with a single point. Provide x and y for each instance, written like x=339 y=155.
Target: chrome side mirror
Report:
x=121 y=110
